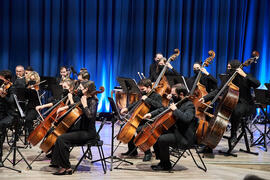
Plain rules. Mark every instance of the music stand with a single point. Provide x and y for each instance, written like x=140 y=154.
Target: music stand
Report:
x=14 y=148
x=115 y=117
x=129 y=86
x=262 y=98
x=267 y=85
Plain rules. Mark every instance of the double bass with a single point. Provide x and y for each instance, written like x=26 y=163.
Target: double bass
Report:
x=136 y=114
x=150 y=134
x=220 y=119
x=197 y=92
x=67 y=120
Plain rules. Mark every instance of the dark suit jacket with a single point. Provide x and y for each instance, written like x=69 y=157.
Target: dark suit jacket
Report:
x=209 y=82
x=186 y=123
x=154 y=101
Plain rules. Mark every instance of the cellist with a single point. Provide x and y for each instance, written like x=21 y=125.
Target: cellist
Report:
x=86 y=131
x=245 y=103
x=182 y=134
x=68 y=88
x=154 y=101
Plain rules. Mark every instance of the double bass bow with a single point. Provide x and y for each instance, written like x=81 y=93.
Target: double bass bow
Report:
x=220 y=119
x=136 y=114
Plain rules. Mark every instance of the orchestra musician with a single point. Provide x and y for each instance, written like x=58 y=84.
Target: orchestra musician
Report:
x=64 y=75
x=83 y=69
x=32 y=95
x=160 y=63
x=19 y=81
x=87 y=131
x=207 y=79
x=82 y=76
x=154 y=101
x=8 y=107
x=180 y=135
x=68 y=90
x=28 y=70
x=245 y=104
x=210 y=84
x=154 y=71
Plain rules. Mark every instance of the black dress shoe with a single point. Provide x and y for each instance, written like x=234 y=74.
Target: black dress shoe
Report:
x=53 y=166
x=206 y=150
x=161 y=167
x=69 y=172
x=49 y=156
x=147 y=157
x=128 y=153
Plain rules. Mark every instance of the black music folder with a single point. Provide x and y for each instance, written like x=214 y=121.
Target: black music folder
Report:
x=128 y=85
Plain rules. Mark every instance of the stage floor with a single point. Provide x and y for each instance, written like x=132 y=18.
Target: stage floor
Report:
x=219 y=166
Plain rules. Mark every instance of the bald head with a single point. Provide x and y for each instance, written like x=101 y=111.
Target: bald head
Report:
x=19 y=71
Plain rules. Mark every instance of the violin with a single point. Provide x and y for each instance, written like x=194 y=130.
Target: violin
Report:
x=36 y=85
x=5 y=86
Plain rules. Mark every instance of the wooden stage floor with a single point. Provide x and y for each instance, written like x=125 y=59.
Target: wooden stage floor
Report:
x=219 y=166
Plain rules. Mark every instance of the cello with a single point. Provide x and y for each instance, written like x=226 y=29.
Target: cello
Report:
x=220 y=119
x=150 y=134
x=41 y=130
x=136 y=114
x=65 y=122
x=197 y=92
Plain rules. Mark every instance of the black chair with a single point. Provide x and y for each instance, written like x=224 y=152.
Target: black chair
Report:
x=93 y=142
x=178 y=153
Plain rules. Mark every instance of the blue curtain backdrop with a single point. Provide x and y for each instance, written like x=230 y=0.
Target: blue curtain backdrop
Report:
x=114 y=38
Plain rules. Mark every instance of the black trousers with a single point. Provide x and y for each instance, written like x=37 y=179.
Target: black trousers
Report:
x=241 y=109
x=31 y=115
x=5 y=122
x=60 y=152
x=131 y=145
x=164 y=142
